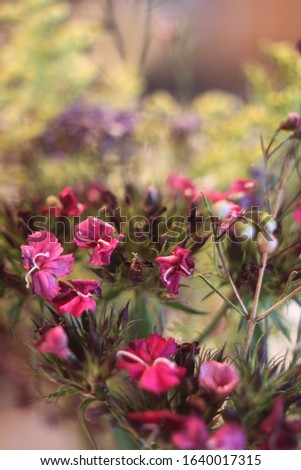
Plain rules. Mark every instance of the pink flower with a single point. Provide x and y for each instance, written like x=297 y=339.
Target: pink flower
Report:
x=77 y=298
x=97 y=234
x=146 y=360
x=192 y=435
x=54 y=341
x=218 y=378
x=230 y=436
x=175 y=266
x=243 y=192
x=41 y=257
x=297 y=215
x=182 y=186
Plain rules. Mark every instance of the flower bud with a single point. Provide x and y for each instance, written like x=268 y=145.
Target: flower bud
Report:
x=245 y=231
x=291 y=123
x=267 y=245
x=267 y=222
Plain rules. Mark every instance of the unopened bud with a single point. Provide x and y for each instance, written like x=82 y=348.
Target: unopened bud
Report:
x=267 y=222
x=267 y=245
x=291 y=123
x=245 y=231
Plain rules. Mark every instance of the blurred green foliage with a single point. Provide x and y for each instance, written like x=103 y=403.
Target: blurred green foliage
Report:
x=44 y=65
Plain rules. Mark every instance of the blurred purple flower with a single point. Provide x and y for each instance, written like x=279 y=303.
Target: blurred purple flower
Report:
x=184 y=125
x=230 y=436
x=192 y=434
x=87 y=127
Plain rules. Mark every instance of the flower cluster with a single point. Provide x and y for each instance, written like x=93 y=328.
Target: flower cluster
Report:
x=171 y=395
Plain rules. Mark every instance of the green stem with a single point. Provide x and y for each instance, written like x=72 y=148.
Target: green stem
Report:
x=252 y=317
x=239 y=299
x=277 y=304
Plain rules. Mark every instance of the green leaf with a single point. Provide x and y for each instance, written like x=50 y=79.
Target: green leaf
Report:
x=220 y=293
x=83 y=422
x=289 y=284
x=183 y=307
x=61 y=393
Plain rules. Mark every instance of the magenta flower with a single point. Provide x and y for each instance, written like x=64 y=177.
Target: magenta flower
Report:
x=97 y=234
x=242 y=192
x=146 y=360
x=230 y=436
x=192 y=435
x=77 y=297
x=182 y=186
x=175 y=266
x=297 y=215
x=54 y=341
x=218 y=378
x=42 y=258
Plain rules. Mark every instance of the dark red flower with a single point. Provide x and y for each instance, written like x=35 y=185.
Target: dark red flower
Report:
x=77 y=297
x=54 y=341
x=65 y=205
x=96 y=234
x=152 y=419
x=147 y=360
x=42 y=258
x=173 y=267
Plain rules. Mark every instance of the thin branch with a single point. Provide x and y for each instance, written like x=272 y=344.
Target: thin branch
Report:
x=236 y=293
x=217 y=291
x=252 y=318
x=277 y=304
x=292 y=245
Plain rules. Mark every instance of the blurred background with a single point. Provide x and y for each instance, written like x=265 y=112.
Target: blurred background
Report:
x=152 y=69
